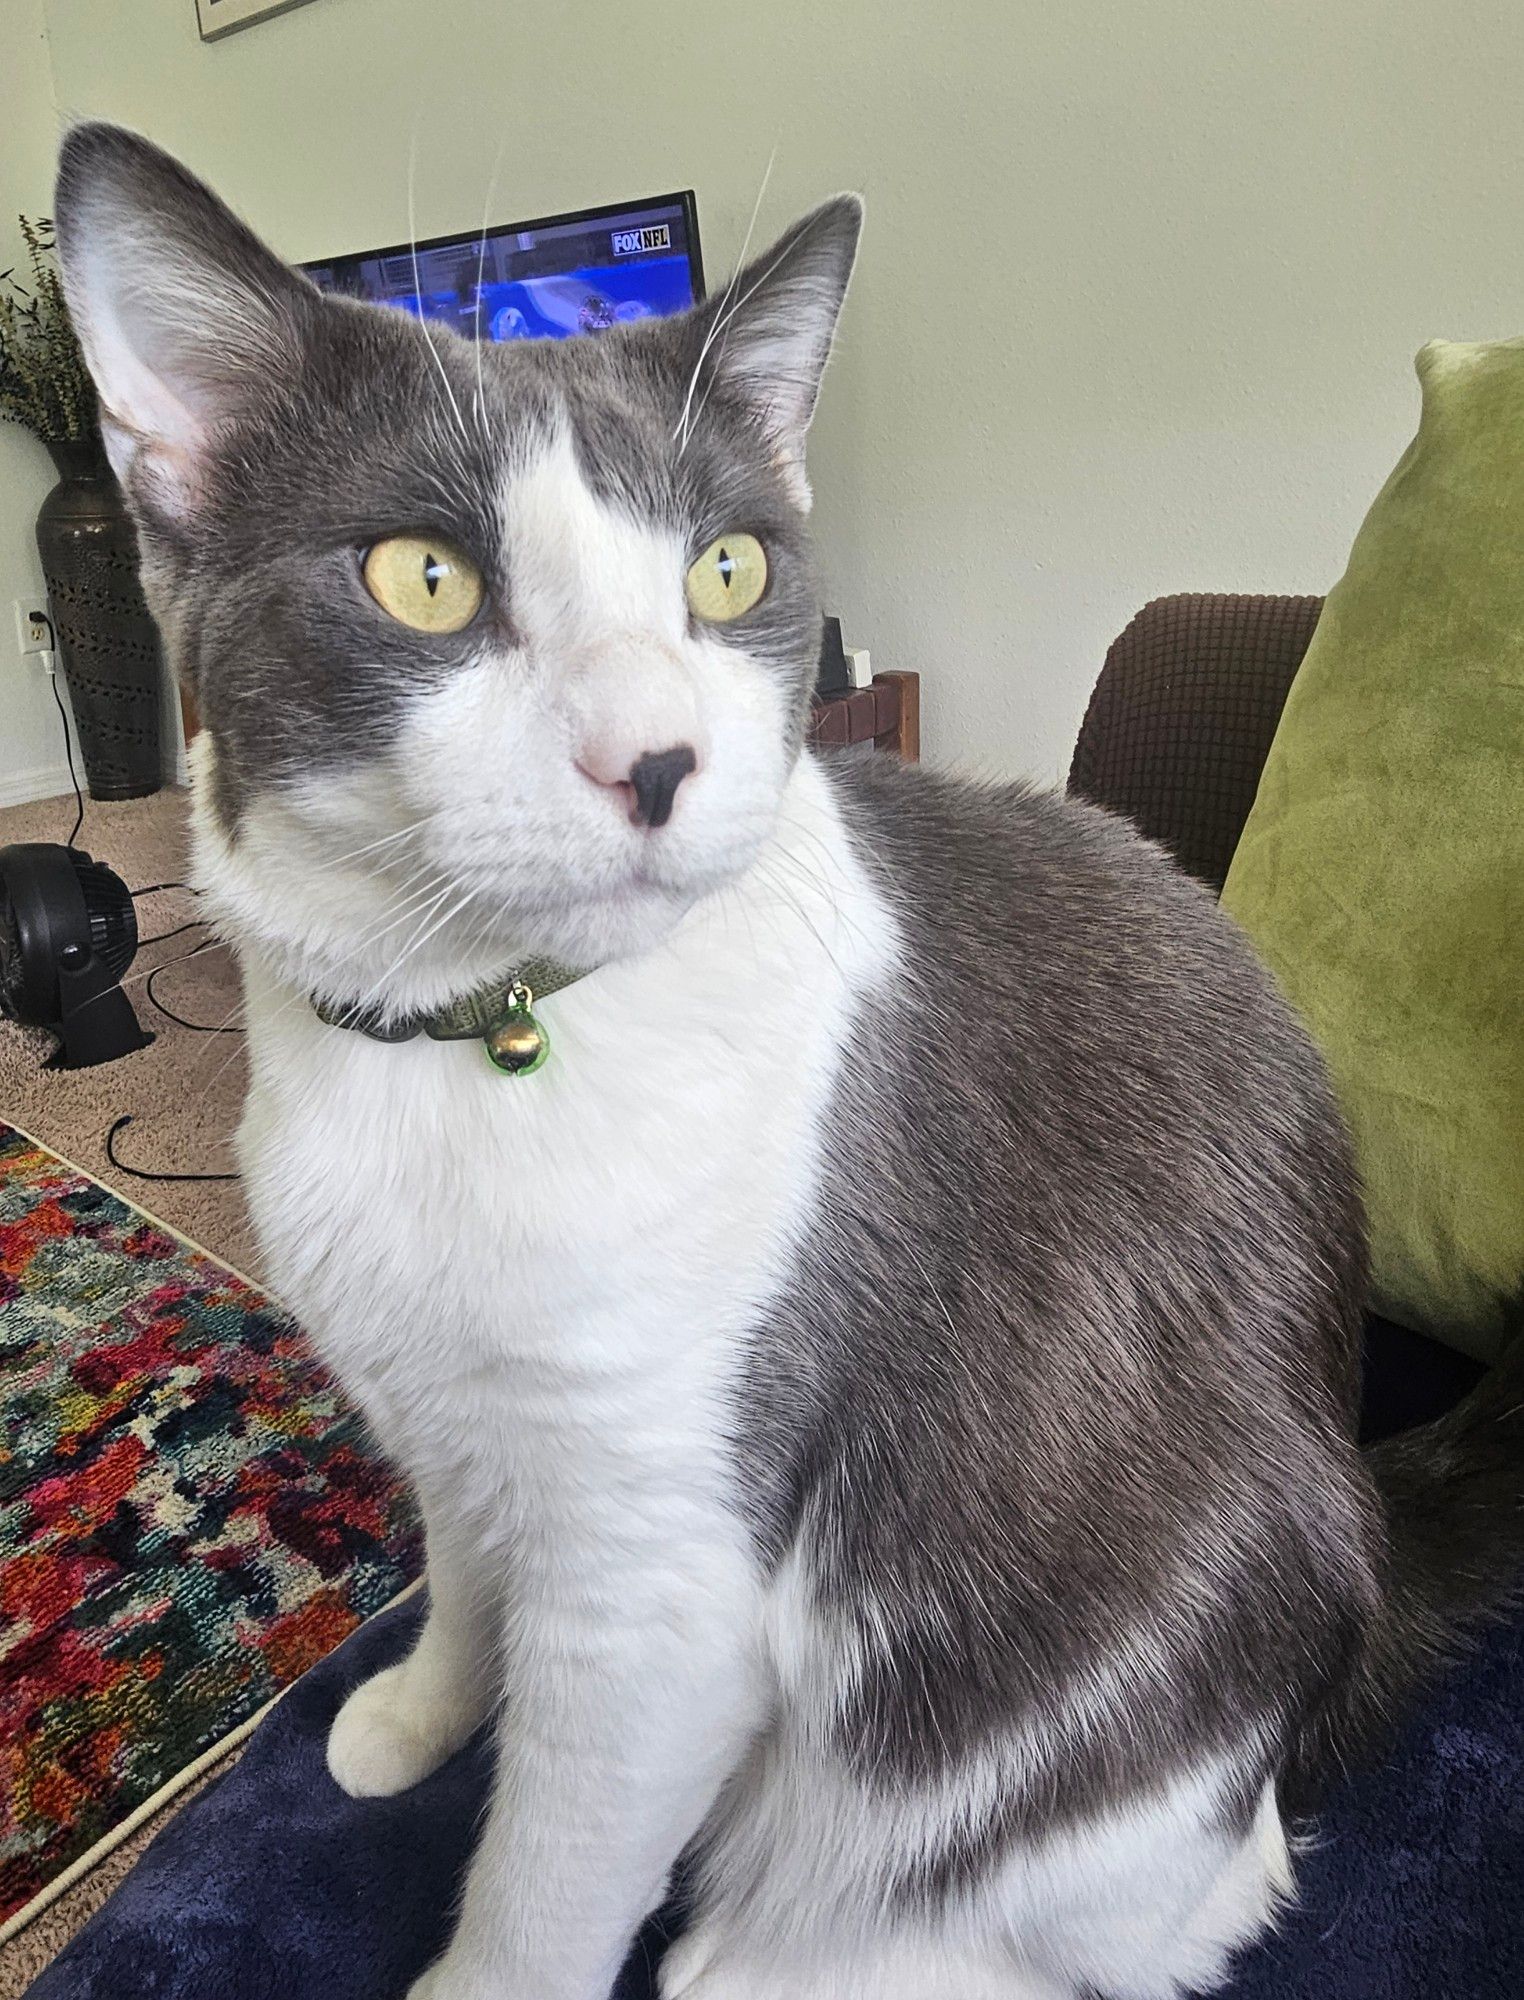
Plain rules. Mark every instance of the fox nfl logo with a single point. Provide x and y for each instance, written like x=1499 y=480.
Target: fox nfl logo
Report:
x=631 y=242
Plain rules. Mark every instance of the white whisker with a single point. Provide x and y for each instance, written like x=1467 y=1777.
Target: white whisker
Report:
x=683 y=423
x=423 y=318
x=481 y=264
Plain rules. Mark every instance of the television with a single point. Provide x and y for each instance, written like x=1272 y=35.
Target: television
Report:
x=565 y=274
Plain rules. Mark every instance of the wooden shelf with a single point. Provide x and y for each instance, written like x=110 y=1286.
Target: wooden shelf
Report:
x=887 y=715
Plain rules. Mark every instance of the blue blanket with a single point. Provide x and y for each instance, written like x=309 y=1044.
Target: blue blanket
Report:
x=274 y=1886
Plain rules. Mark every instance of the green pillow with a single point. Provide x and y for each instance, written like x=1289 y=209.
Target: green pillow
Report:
x=1381 y=873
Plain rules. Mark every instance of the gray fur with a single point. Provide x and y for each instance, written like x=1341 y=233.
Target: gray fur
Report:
x=1086 y=1328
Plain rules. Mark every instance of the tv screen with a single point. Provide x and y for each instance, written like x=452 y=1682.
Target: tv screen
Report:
x=542 y=280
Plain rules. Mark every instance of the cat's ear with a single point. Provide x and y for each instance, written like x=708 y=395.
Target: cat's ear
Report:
x=768 y=334
x=186 y=319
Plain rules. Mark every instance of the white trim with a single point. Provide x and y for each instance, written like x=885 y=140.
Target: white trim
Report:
x=42 y=781
x=132 y=1202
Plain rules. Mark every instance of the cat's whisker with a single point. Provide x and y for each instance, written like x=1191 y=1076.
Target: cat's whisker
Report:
x=419 y=940
x=423 y=318
x=370 y=847
x=727 y=314
x=481 y=265
x=408 y=895
x=683 y=423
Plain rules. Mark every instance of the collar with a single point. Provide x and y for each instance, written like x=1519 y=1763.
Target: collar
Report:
x=501 y=1017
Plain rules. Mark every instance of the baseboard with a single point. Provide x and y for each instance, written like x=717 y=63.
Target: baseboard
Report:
x=42 y=781
x=51 y=781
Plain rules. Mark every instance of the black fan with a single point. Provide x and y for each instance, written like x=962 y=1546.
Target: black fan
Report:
x=68 y=932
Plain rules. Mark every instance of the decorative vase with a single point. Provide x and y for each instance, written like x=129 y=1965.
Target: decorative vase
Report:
x=107 y=642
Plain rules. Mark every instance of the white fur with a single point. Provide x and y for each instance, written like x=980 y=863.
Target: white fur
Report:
x=540 y=1291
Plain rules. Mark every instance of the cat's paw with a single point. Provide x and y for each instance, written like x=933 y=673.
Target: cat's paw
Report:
x=698 y=1967
x=438 y=1983
x=442 y=1981
x=394 y=1730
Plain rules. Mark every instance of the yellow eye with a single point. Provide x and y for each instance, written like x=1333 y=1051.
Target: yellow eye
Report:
x=423 y=583
x=727 y=579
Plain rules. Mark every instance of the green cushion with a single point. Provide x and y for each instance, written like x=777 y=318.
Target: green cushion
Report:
x=1381 y=873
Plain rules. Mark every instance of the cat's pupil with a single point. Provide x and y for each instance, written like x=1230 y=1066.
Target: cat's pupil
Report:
x=433 y=570
x=727 y=565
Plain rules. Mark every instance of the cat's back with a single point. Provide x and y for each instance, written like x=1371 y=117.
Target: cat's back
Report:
x=1060 y=955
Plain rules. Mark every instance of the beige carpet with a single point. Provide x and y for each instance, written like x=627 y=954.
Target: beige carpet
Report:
x=184 y=1093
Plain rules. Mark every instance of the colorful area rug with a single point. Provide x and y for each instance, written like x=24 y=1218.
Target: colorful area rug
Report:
x=190 y=1515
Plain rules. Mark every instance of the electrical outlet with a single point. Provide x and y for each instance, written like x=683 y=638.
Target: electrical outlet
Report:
x=34 y=629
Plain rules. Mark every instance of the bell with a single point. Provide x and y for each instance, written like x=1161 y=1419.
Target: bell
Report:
x=517 y=1044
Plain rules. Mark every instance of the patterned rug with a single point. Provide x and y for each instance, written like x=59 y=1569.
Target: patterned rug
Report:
x=190 y=1515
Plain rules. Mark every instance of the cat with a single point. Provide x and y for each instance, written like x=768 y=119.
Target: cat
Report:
x=882 y=1390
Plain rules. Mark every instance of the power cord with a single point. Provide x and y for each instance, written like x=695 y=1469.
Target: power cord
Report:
x=179 y=930
x=63 y=716
x=196 y=1027
x=144 y=1173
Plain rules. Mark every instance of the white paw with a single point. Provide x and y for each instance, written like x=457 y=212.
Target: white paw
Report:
x=696 y=1968
x=440 y=1983
x=460 y=1975
x=437 y=1984
x=393 y=1731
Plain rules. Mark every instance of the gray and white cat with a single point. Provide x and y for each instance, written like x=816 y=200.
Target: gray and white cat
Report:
x=882 y=1393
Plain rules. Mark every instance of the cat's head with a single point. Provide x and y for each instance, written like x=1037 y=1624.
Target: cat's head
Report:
x=499 y=650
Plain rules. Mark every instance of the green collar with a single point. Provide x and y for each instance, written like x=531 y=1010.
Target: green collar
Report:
x=501 y=1017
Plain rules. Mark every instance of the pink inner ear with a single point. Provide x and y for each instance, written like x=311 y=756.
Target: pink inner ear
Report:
x=142 y=350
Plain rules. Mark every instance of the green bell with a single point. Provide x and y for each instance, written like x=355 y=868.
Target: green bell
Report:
x=517 y=1044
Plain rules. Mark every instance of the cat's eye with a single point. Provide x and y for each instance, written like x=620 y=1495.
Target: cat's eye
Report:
x=727 y=579
x=423 y=583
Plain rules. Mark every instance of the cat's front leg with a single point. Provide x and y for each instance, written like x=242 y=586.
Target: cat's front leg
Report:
x=402 y=1723
x=632 y=1693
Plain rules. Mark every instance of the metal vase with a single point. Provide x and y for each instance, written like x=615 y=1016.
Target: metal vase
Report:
x=107 y=642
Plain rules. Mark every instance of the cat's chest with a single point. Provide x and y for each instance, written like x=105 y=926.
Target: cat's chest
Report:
x=639 y=1193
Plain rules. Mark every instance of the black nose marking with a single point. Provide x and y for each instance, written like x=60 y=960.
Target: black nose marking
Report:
x=654 y=779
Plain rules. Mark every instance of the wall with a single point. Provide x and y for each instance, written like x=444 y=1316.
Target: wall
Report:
x=32 y=762
x=1141 y=286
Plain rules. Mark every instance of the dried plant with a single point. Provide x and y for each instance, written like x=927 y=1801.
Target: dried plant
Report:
x=44 y=384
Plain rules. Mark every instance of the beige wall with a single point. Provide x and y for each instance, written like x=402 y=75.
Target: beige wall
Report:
x=1141 y=287
x=31 y=740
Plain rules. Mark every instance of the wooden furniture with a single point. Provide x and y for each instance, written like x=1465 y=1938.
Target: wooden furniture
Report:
x=887 y=715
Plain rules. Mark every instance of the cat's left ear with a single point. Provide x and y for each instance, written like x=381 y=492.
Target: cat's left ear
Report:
x=768 y=335
x=186 y=319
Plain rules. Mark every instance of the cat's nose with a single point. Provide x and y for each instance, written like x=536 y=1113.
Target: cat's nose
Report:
x=650 y=783
x=654 y=779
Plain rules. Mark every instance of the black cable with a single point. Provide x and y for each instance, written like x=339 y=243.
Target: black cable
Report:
x=154 y=888
x=63 y=716
x=142 y=1173
x=179 y=930
x=198 y=1027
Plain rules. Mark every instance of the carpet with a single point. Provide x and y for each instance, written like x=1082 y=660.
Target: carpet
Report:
x=190 y=1515
x=275 y=1886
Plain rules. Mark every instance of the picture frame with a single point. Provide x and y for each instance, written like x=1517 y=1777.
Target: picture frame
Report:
x=216 y=18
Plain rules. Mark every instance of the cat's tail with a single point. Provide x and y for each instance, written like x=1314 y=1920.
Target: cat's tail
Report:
x=1453 y=1491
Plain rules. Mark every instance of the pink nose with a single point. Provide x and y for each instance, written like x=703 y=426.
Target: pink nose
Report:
x=650 y=783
